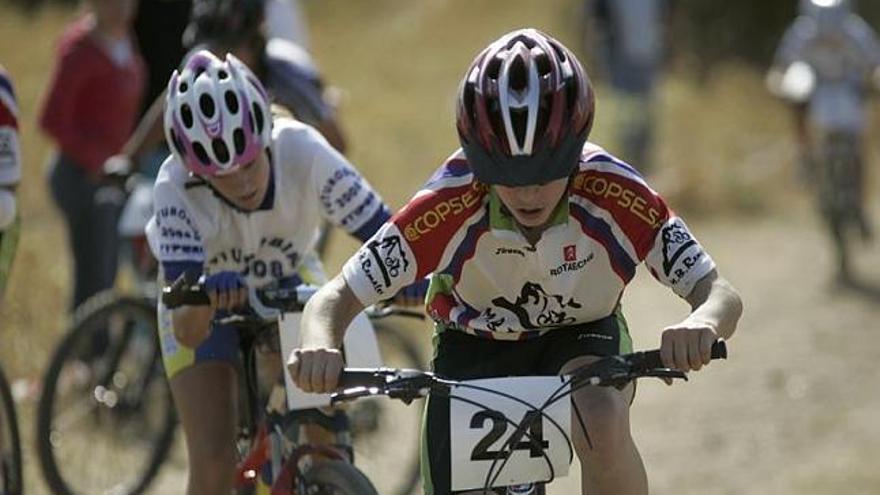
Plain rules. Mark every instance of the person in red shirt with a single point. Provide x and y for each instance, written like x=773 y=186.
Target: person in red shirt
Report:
x=91 y=107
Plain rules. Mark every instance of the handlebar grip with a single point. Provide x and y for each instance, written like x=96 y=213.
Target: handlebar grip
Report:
x=652 y=358
x=184 y=292
x=354 y=377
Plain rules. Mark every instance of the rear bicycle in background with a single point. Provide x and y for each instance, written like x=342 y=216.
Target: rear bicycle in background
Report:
x=508 y=435
x=11 y=481
x=274 y=443
x=105 y=388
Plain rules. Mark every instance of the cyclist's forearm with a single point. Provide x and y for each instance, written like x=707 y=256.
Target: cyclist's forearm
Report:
x=149 y=132
x=716 y=302
x=328 y=314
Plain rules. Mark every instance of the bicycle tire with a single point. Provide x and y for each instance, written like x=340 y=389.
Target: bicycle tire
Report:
x=400 y=474
x=336 y=478
x=11 y=481
x=145 y=378
x=839 y=202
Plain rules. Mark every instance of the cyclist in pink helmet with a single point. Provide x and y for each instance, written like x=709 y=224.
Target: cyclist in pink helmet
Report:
x=240 y=200
x=530 y=235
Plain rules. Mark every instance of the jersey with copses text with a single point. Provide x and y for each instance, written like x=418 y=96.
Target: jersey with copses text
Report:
x=488 y=280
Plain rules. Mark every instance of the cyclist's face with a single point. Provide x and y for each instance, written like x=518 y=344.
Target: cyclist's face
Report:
x=532 y=206
x=246 y=186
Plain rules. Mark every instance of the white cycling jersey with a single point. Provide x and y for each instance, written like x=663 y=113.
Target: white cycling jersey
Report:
x=489 y=281
x=193 y=224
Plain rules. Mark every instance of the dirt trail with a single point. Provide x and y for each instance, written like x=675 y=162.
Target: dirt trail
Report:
x=794 y=409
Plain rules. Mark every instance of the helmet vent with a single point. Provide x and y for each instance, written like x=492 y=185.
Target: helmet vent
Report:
x=258 y=114
x=175 y=140
x=519 y=76
x=206 y=105
x=220 y=150
x=201 y=154
x=182 y=87
x=222 y=75
x=493 y=68
x=519 y=120
x=186 y=115
x=542 y=63
x=231 y=102
x=238 y=141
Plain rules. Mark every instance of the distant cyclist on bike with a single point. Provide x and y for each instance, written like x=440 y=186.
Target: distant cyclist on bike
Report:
x=240 y=200
x=531 y=234
x=10 y=175
x=825 y=65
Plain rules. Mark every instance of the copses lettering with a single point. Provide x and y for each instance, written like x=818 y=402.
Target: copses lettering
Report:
x=429 y=220
x=626 y=198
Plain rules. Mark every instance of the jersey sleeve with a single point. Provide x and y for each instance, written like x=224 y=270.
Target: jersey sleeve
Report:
x=420 y=237
x=346 y=198
x=677 y=259
x=381 y=267
x=10 y=151
x=793 y=44
x=173 y=236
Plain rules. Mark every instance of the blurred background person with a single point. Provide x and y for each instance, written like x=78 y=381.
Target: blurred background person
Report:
x=287 y=71
x=90 y=108
x=825 y=65
x=285 y=19
x=628 y=36
x=159 y=26
x=10 y=175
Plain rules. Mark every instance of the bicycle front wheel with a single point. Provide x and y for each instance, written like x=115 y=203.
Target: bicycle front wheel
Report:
x=10 y=445
x=105 y=420
x=386 y=433
x=336 y=478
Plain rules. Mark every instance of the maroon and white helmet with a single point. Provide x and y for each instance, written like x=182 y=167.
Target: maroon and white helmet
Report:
x=525 y=109
x=216 y=114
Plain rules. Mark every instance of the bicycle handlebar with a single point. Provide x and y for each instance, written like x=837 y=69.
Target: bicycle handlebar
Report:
x=267 y=303
x=407 y=384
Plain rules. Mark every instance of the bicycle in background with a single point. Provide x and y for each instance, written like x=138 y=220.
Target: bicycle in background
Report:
x=10 y=443
x=825 y=65
x=273 y=450
x=105 y=386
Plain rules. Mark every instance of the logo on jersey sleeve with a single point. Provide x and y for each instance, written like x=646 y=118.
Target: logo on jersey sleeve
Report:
x=178 y=237
x=569 y=253
x=383 y=260
x=680 y=250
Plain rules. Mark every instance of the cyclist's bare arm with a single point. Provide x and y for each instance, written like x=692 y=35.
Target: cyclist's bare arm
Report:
x=316 y=365
x=715 y=309
x=148 y=134
x=192 y=324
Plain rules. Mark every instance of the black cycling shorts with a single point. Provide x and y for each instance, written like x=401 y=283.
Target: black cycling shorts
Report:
x=462 y=356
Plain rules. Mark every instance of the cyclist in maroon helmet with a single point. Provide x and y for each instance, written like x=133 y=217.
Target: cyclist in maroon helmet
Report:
x=530 y=234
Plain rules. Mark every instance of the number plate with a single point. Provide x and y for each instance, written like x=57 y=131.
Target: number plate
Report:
x=478 y=434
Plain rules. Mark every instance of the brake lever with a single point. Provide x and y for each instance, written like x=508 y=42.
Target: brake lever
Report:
x=666 y=373
x=353 y=393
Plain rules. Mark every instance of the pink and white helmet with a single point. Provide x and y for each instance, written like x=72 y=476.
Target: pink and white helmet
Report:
x=216 y=114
